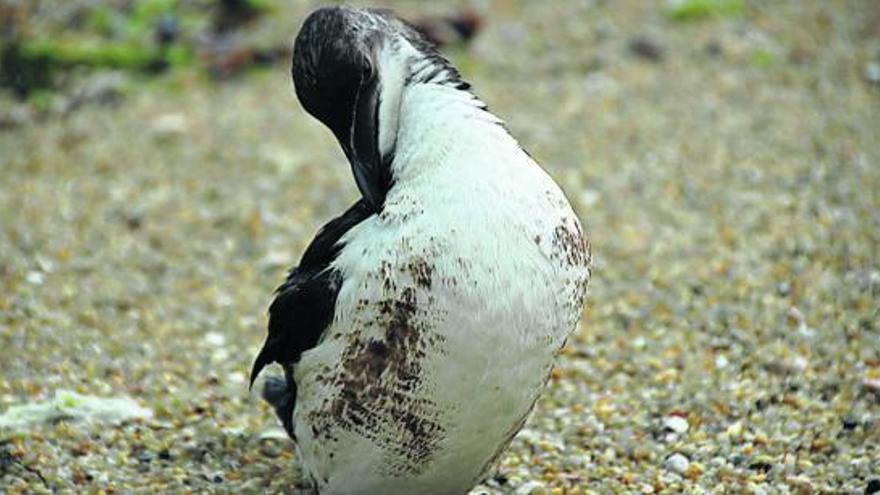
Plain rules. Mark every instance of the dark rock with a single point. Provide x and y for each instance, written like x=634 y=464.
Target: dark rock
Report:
x=133 y=222
x=459 y=27
x=466 y=23
x=22 y=71
x=167 y=30
x=647 y=48
x=873 y=486
x=761 y=404
x=7 y=460
x=233 y=14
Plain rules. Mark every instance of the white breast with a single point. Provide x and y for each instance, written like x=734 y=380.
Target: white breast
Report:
x=454 y=302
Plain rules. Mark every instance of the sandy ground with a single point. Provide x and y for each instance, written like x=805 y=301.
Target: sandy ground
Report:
x=731 y=342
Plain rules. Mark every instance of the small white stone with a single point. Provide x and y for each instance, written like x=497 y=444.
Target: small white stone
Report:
x=609 y=455
x=169 y=125
x=757 y=489
x=531 y=488
x=872 y=72
x=285 y=161
x=214 y=339
x=589 y=197
x=234 y=431
x=46 y=265
x=677 y=463
x=236 y=377
x=676 y=424
x=275 y=259
x=735 y=430
x=220 y=354
x=529 y=436
x=273 y=434
x=223 y=299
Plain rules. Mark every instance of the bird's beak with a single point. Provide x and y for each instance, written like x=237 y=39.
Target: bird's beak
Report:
x=371 y=172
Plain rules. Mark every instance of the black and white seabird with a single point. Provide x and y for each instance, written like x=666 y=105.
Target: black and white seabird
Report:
x=421 y=325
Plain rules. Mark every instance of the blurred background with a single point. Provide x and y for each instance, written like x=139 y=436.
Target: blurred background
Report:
x=157 y=178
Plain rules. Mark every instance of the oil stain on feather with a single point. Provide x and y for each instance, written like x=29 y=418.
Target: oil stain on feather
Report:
x=380 y=383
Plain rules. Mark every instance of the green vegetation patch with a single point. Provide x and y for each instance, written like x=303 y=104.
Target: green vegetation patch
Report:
x=686 y=10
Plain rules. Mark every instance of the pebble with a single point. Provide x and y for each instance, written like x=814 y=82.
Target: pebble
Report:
x=735 y=430
x=677 y=463
x=756 y=489
x=531 y=488
x=872 y=73
x=676 y=424
x=647 y=48
x=214 y=339
x=849 y=422
x=872 y=385
x=273 y=434
x=35 y=278
x=169 y=125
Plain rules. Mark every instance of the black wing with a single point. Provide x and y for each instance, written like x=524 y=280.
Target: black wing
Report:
x=302 y=310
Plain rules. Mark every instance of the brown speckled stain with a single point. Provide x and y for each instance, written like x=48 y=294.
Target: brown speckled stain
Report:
x=421 y=272
x=569 y=247
x=381 y=394
x=568 y=242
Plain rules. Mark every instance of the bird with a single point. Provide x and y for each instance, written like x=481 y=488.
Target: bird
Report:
x=422 y=324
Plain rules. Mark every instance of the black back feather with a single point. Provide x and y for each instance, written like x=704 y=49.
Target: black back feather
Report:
x=303 y=309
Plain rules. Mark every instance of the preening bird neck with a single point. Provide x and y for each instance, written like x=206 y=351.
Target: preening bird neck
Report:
x=427 y=114
x=442 y=126
x=406 y=64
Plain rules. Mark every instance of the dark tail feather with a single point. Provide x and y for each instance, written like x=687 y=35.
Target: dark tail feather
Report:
x=263 y=358
x=281 y=394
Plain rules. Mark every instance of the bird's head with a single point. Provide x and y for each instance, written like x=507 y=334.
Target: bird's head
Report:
x=350 y=69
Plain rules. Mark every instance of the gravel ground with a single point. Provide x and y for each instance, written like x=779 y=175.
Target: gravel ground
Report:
x=726 y=168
